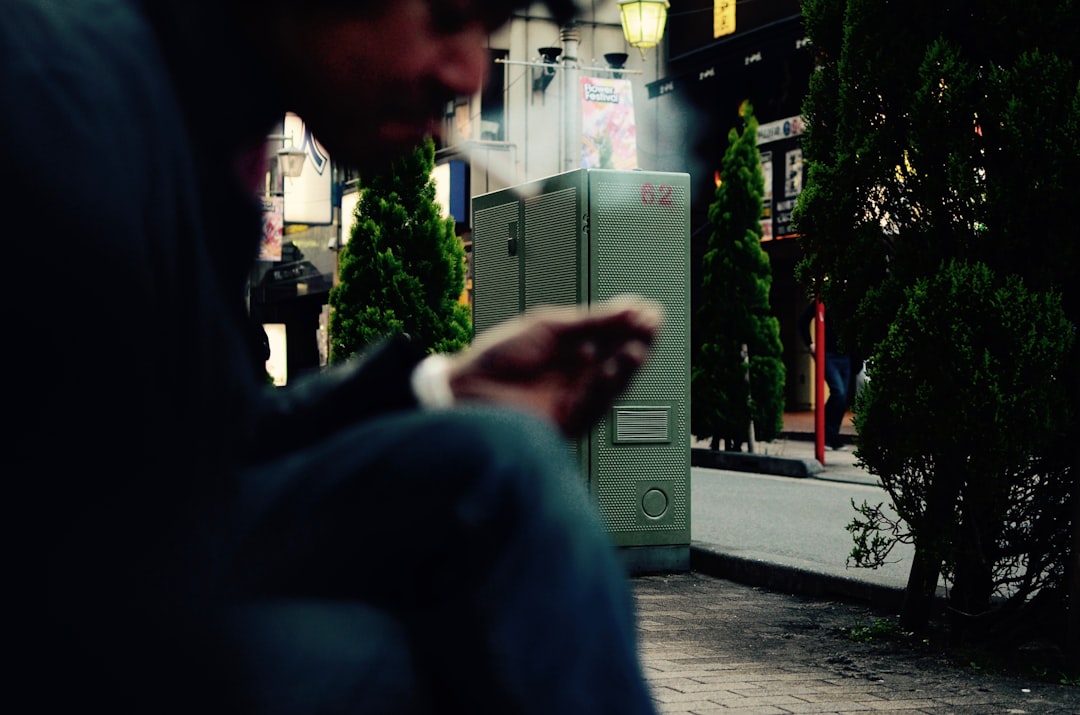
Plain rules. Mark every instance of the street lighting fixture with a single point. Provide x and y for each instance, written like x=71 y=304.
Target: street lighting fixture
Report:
x=617 y=61
x=542 y=77
x=643 y=22
x=290 y=158
x=291 y=161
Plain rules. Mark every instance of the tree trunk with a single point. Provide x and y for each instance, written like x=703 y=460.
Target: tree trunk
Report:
x=973 y=581
x=921 y=590
x=942 y=497
x=1073 y=568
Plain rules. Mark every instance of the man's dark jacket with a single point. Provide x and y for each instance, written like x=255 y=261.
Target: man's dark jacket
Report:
x=132 y=397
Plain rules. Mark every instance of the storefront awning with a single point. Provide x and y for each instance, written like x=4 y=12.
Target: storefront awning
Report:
x=773 y=43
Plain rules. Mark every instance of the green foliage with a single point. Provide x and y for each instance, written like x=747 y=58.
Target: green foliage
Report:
x=872 y=548
x=937 y=130
x=403 y=268
x=735 y=312
x=943 y=145
x=879 y=629
x=967 y=397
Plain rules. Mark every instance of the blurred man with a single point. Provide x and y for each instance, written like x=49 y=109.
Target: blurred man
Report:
x=404 y=534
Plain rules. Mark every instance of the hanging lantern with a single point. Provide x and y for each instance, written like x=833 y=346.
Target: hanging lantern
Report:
x=292 y=161
x=643 y=22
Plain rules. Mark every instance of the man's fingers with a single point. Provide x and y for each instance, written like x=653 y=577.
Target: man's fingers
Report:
x=569 y=363
x=618 y=319
x=596 y=388
x=610 y=369
x=636 y=351
x=587 y=351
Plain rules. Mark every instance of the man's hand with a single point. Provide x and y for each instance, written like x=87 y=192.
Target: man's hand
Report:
x=565 y=364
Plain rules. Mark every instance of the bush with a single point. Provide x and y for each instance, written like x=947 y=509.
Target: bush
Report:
x=963 y=423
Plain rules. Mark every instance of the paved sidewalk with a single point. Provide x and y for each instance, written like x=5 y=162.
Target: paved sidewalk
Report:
x=711 y=646
x=792 y=454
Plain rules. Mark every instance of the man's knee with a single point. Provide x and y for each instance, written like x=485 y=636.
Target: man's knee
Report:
x=296 y=656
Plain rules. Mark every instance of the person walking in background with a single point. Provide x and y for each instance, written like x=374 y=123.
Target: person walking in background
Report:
x=403 y=533
x=840 y=369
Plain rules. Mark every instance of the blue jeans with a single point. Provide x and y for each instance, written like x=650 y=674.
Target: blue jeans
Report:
x=430 y=562
x=838 y=378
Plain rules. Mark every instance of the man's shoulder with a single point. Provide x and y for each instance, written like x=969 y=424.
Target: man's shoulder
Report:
x=51 y=35
x=78 y=60
x=86 y=94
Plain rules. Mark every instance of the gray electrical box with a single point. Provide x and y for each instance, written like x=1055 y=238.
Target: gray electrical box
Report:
x=580 y=238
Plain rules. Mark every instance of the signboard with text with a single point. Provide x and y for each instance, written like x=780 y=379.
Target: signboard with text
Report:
x=782 y=166
x=608 y=130
x=273 y=227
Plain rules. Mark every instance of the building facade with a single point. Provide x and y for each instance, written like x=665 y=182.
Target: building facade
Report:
x=563 y=98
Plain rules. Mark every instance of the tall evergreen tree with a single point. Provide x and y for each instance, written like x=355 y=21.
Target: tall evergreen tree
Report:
x=403 y=268
x=736 y=371
x=942 y=131
x=935 y=130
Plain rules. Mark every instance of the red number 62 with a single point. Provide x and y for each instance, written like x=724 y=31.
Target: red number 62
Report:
x=661 y=195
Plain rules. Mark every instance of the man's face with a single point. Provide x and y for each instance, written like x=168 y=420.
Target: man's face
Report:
x=372 y=79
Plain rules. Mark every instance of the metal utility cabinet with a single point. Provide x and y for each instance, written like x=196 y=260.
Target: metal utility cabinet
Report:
x=583 y=237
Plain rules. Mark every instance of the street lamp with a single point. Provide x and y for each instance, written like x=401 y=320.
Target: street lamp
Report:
x=643 y=22
x=290 y=158
x=617 y=61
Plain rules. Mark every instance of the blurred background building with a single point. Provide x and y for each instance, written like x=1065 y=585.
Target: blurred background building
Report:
x=560 y=98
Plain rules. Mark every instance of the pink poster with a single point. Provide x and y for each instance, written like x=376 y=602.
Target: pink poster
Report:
x=273 y=225
x=608 y=132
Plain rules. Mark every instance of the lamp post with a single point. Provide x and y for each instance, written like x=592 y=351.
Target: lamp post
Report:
x=643 y=22
x=571 y=98
x=290 y=163
x=280 y=321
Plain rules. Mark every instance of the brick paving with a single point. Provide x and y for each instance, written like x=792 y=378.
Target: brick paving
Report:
x=712 y=646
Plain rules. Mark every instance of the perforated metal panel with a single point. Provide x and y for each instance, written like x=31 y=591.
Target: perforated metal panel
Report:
x=587 y=236
x=639 y=243
x=496 y=273
x=553 y=248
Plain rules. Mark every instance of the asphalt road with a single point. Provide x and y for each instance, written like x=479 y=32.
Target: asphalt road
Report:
x=788 y=521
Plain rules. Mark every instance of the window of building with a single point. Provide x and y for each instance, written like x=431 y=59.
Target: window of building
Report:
x=493 y=100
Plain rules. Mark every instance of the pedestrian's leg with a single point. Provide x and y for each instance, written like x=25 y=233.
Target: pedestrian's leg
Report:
x=837 y=377
x=472 y=529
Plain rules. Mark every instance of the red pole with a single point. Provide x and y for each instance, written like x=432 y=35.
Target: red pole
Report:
x=819 y=381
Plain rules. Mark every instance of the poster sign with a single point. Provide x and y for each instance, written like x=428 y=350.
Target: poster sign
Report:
x=723 y=22
x=766 y=199
x=273 y=224
x=608 y=130
x=779 y=143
